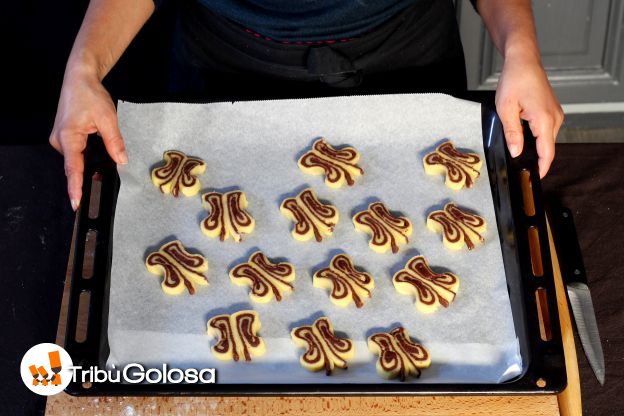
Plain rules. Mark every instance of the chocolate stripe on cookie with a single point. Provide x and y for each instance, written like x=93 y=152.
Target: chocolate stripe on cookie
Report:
x=429 y=288
x=345 y=282
x=398 y=355
x=457 y=226
x=338 y=166
x=267 y=280
x=461 y=169
x=228 y=216
x=323 y=349
x=236 y=335
x=179 y=268
x=179 y=174
x=386 y=230
x=311 y=217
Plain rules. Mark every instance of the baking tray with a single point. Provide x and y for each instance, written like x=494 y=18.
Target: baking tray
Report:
x=532 y=295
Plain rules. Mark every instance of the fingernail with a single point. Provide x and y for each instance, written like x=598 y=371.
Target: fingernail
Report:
x=75 y=203
x=123 y=157
x=514 y=150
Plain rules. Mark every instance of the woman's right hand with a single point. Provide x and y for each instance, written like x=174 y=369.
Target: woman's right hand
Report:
x=85 y=107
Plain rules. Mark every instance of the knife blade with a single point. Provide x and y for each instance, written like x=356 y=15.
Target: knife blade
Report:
x=587 y=327
x=579 y=295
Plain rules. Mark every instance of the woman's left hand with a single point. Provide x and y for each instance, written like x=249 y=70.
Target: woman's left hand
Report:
x=524 y=93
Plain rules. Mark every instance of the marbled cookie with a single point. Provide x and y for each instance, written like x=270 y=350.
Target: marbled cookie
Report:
x=338 y=166
x=179 y=174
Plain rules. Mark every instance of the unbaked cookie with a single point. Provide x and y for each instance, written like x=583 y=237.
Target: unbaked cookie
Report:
x=267 y=280
x=461 y=169
x=237 y=336
x=179 y=174
x=458 y=227
x=338 y=166
x=323 y=349
x=399 y=356
x=387 y=231
x=228 y=216
x=430 y=289
x=311 y=217
x=345 y=282
x=179 y=268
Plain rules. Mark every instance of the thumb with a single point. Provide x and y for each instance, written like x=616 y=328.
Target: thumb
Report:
x=512 y=128
x=109 y=130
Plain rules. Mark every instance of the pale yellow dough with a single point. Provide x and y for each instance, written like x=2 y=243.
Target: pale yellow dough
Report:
x=236 y=336
x=178 y=267
x=179 y=174
x=267 y=280
x=345 y=283
x=228 y=216
x=312 y=218
x=324 y=351
x=338 y=166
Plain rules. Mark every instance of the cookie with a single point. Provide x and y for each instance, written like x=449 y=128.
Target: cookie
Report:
x=323 y=349
x=228 y=216
x=345 y=282
x=179 y=268
x=387 y=231
x=461 y=169
x=338 y=166
x=399 y=356
x=179 y=174
x=267 y=280
x=236 y=333
x=458 y=227
x=430 y=289
x=312 y=218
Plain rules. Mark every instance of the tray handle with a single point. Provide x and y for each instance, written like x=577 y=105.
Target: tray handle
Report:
x=536 y=266
x=86 y=329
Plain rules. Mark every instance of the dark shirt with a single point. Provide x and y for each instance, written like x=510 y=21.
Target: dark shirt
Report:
x=310 y=20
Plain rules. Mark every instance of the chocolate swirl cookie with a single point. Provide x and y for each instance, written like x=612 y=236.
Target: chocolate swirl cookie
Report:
x=458 y=227
x=338 y=166
x=399 y=356
x=179 y=268
x=387 y=231
x=429 y=288
x=267 y=280
x=237 y=339
x=179 y=174
x=345 y=282
x=461 y=169
x=311 y=217
x=323 y=349
x=228 y=216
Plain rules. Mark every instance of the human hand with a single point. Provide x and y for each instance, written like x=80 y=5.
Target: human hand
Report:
x=85 y=107
x=524 y=93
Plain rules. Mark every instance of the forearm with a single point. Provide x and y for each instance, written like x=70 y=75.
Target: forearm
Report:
x=511 y=27
x=106 y=31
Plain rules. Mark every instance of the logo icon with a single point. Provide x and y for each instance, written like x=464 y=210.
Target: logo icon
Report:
x=46 y=369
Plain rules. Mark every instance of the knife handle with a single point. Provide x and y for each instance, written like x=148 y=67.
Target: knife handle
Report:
x=566 y=240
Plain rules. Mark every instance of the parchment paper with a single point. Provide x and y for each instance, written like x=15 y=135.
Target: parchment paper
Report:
x=254 y=146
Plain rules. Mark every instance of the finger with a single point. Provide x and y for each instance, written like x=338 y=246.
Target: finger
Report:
x=512 y=127
x=54 y=142
x=74 y=169
x=559 y=117
x=109 y=130
x=543 y=129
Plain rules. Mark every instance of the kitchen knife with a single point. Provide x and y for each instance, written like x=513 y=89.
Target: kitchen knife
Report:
x=575 y=280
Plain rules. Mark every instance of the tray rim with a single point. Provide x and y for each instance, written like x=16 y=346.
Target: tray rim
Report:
x=541 y=357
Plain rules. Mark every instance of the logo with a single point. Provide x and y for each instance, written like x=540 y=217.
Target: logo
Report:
x=46 y=369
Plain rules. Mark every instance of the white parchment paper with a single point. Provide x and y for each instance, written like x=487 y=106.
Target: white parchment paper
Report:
x=254 y=146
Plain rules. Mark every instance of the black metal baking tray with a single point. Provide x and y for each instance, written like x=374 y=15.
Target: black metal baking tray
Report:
x=540 y=346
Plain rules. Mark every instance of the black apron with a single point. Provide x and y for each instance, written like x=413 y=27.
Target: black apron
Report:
x=417 y=50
